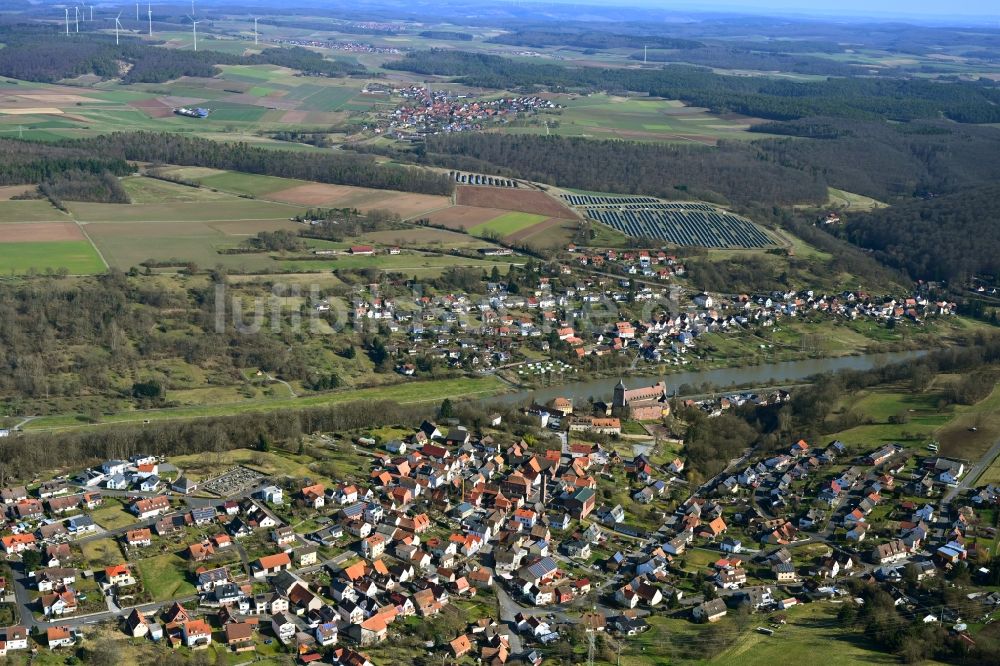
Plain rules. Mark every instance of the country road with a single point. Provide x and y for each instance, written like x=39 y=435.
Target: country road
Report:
x=973 y=474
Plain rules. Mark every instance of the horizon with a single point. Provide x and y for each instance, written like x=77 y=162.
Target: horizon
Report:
x=919 y=11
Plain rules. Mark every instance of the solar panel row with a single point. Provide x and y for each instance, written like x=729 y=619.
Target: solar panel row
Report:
x=595 y=200
x=686 y=227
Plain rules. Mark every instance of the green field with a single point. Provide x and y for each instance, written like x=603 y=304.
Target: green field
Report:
x=922 y=421
x=30 y=211
x=164 y=577
x=404 y=263
x=222 y=210
x=142 y=190
x=128 y=245
x=403 y=392
x=77 y=257
x=247 y=183
x=506 y=224
x=844 y=200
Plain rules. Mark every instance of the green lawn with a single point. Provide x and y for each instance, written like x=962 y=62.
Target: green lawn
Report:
x=78 y=257
x=112 y=516
x=506 y=224
x=100 y=553
x=164 y=577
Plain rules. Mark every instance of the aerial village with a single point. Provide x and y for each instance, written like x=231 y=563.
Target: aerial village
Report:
x=490 y=538
x=555 y=320
x=433 y=111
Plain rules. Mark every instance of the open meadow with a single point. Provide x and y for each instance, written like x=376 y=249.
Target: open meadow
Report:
x=915 y=419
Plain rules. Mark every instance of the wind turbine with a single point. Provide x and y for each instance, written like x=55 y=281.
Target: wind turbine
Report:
x=255 y=30
x=137 y=12
x=194 y=29
x=67 y=21
x=91 y=12
x=118 y=25
x=149 y=14
x=76 y=14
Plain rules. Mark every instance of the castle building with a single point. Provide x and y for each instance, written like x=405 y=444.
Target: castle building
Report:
x=648 y=403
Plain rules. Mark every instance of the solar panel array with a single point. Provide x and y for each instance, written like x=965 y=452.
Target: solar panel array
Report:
x=597 y=200
x=679 y=223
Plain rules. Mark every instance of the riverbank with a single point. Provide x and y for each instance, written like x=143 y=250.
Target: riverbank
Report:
x=719 y=379
x=491 y=389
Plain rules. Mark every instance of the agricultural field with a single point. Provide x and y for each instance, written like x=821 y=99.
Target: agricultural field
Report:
x=522 y=200
x=602 y=116
x=143 y=190
x=409 y=263
x=37 y=210
x=77 y=257
x=406 y=204
x=173 y=224
x=507 y=224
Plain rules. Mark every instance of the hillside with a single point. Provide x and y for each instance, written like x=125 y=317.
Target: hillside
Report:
x=947 y=238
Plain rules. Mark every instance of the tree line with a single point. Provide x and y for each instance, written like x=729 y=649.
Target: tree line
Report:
x=22 y=457
x=777 y=99
x=342 y=168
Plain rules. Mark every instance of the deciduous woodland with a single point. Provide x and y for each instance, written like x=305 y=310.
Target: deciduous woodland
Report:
x=949 y=238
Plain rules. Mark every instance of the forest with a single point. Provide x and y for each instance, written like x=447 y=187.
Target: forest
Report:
x=338 y=167
x=951 y=238
x=730 y=173
x=30 y=54
x=25 y=162
x=774 y=99
x=749 y=58
x=446 y=34
x=887 y=161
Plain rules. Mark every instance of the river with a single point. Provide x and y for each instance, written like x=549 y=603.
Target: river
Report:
x=768 y=374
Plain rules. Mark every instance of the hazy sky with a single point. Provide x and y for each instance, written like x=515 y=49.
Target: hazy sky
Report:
x=894 y=7
x=884 y=8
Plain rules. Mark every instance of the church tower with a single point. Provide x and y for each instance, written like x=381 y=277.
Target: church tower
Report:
x=618 y=406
